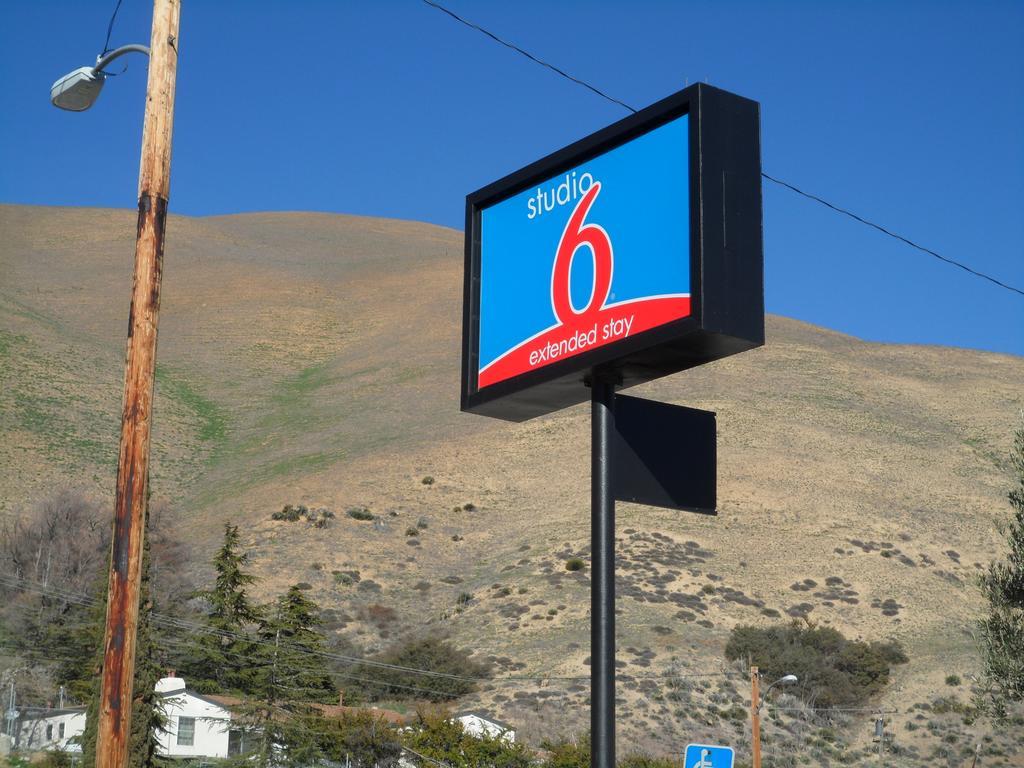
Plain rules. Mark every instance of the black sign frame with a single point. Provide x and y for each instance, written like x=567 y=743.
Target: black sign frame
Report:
x=726 y=259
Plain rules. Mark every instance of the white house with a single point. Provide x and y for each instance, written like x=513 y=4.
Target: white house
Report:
x=197 y=725
x=475 y=724
x=50 y=729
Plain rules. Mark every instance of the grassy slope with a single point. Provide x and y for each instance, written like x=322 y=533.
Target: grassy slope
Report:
x=313 y=358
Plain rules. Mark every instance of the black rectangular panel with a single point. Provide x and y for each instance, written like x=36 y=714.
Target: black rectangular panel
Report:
x=664 y=455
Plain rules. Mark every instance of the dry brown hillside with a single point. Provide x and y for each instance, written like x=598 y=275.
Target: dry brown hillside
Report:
x=313 y=359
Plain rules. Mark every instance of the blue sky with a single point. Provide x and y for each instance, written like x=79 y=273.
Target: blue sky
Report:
x=910 y=113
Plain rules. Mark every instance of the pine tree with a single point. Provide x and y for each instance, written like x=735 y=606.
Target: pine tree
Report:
x=361 y=738
x=1002 y=630
x=289 y=678
x=299 y=647
x=79 y=638
x=219 y=663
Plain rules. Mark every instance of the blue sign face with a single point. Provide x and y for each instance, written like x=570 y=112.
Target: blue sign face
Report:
x=587 y=258
x=707 y=756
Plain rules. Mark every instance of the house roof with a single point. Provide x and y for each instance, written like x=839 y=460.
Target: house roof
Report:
x=216 y=699
x=42 y=713
x=220 y=699
x=337 y=710
x=330 y=711
x=483 y=716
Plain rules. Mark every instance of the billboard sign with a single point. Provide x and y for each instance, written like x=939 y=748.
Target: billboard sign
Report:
x=600 y=255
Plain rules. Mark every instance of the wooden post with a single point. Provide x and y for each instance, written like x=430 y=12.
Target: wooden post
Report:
x=755 y=717
x=114 y=725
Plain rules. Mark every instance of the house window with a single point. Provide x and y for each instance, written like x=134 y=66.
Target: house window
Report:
x=49 y=732
x=60 y=731
x=186 y=731
x=236 y=742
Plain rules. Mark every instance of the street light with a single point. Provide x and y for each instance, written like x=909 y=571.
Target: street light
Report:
x=756 y=702
x=77 y=90
x=784 y=680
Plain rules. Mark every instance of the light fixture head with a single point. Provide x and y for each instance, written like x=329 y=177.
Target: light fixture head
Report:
x=77 y=90
x=788 y=679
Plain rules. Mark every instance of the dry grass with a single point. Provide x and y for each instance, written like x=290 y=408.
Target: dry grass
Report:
x=313 y=359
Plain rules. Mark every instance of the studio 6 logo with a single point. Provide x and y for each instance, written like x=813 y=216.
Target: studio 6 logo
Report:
x=577 y=235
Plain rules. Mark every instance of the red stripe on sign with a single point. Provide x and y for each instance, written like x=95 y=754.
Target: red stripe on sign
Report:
x=583 y=333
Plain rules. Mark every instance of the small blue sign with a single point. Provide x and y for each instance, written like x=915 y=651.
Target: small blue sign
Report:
x=708 y=756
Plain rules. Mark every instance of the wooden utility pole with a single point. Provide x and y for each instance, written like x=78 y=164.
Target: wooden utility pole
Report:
x=114 y=726
x=755 y=717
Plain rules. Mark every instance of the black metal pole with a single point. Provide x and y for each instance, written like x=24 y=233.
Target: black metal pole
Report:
x=602 y=590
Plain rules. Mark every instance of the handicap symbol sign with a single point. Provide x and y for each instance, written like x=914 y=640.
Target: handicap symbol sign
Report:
x=707 y=756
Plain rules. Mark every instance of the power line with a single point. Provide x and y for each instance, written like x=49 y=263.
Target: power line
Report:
x=899 y=237
x=873 y=710
x=787 y=185
x=177 y=623
x=110 y=27
x=528 y=55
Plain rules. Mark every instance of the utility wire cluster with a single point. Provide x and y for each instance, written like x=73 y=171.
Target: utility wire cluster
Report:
x=772 y=179
x=199 y=628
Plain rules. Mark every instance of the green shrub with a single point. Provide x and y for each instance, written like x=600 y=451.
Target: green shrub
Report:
x=345 y=578
x=574 y=564
x=568 y=754
x=442 y=741
x=430 y=653
x=292 y=513
x=464 y=598
x=953 y=680
x=412 y=531
x=360 y=513
x=360 y=737
x=469 y=507
x=736 y=712
x=289 y=513
x=642 y=760
x=50 y=759
x=428 y=480
x=946 y=704
x=833 y=671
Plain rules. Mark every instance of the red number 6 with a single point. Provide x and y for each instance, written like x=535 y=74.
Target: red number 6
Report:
x=574 y=236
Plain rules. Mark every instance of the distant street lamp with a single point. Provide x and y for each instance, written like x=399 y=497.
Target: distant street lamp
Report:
x=784 y=680
x=756 y=702
x=77 y=91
